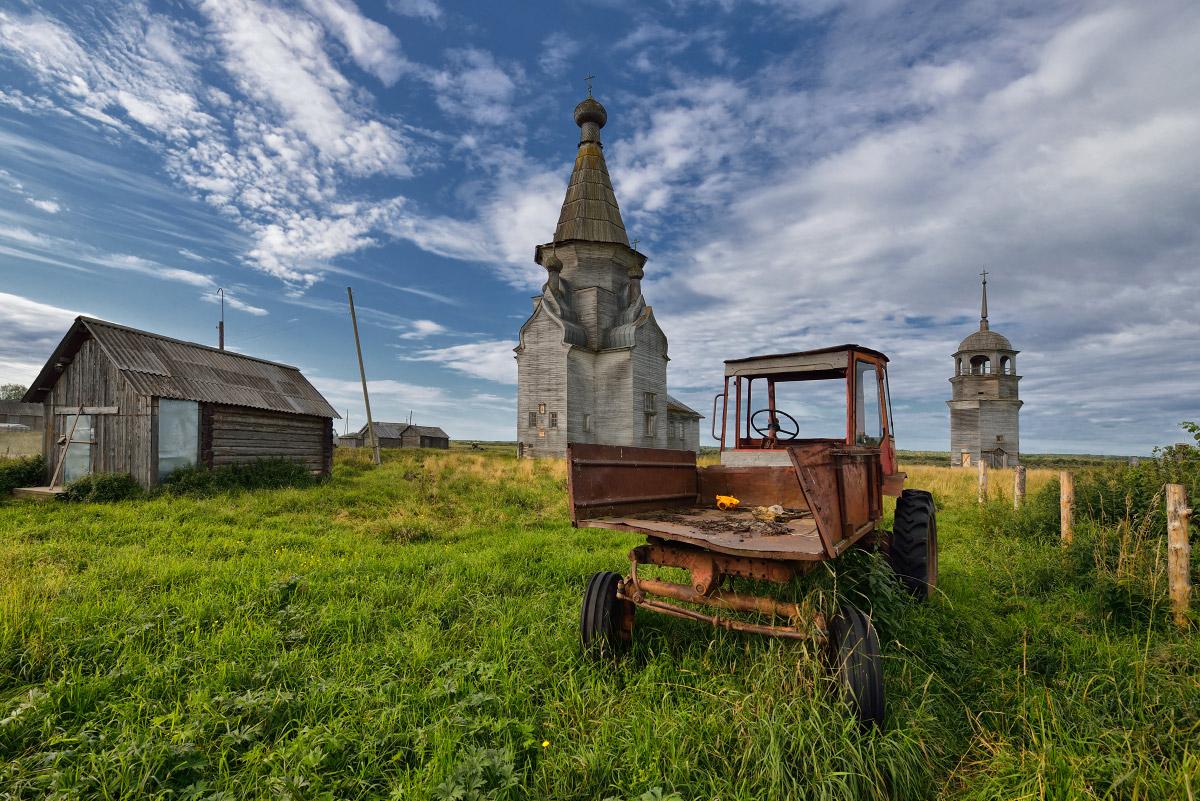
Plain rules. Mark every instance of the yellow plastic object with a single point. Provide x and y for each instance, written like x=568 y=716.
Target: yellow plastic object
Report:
x=727 y=502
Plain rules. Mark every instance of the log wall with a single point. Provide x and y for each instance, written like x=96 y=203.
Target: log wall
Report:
x=236 y=435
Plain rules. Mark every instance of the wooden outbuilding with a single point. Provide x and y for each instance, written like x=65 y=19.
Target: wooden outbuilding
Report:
x=140 y=403
x=404 y=435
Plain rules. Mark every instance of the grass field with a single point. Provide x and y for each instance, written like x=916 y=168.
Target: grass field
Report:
x=412 y=632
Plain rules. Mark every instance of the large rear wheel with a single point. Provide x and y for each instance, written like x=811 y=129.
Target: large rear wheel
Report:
x=914 y=543
x=606 y=621
x=857 y=664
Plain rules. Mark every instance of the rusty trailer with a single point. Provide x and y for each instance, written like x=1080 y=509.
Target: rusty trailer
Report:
x=799 y=502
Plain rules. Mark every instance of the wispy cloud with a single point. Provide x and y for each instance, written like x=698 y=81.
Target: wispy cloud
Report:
x=490 y=359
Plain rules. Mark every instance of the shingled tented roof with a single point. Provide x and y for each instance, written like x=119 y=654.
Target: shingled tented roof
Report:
x=170 y=368
x=589 y=210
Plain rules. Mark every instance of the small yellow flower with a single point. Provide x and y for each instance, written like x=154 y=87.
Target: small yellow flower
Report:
x=545 y=743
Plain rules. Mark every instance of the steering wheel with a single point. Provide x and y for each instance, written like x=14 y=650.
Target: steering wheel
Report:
x=781 y=433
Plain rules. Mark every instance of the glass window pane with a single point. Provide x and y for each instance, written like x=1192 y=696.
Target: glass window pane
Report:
x=78 y=462
x=869 y=422
x=178 y=434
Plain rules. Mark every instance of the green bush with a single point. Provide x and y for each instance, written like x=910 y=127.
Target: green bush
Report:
x=29 y=471
x=262 y=474
x=102 y=488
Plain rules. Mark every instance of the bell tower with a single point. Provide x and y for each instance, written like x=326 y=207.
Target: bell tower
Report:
x=984 y=403
x=592 y=360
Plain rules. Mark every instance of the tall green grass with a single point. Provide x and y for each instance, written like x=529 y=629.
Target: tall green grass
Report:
x=412 y=632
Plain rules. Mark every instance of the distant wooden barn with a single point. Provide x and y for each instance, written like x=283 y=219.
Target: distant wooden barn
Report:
x=400 y=435
x=15 y=413
x=145 y=404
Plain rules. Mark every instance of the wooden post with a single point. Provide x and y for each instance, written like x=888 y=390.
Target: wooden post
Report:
x=1018 y=486
x=1179 y=551
x=362 y=373
x=1066 y=507
x=983 y=478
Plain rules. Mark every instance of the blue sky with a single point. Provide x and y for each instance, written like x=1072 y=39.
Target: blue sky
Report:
x=799 y=173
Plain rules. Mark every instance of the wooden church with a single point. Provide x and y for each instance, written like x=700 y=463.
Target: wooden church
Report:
x=592 y=360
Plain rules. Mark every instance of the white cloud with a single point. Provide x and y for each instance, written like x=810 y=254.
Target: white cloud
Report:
x=558 y=49
x=29 y=331
x=372 y=46
x=48 y=206
x=424 y=9
x=421 y=329
x=493 y=360
x=473 y=83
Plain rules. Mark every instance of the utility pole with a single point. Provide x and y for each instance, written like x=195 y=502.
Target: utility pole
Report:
x=362 y=373
x=221 y=325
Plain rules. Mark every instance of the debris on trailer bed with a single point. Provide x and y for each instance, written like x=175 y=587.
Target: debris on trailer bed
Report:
x=734 y=522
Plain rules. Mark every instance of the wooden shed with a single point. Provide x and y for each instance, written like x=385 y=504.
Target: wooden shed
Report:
x=404 y=435
x=144 y=404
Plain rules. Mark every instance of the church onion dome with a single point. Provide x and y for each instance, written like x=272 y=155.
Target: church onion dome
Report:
x=589 y=210
x=986 y=341
x=590 y=110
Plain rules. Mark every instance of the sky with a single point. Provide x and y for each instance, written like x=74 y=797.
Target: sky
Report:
x=800 y=173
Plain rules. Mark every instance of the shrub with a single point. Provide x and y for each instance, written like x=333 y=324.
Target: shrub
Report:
x=102 y=488
x=262 y=474
x=29 y=471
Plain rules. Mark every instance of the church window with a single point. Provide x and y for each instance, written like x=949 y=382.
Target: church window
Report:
x=533 y=419
x=679 y=431
x=980 y=365
x=541 y=408
x=554 y=419
x=649 y=402
x=649 y=431
x=587 y=422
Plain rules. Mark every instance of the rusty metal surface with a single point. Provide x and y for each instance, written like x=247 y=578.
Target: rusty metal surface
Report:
x=707 y=571
x=735 y=533
x=686 y=557
x=607 y=480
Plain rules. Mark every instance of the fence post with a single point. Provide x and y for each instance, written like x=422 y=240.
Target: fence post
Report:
x=1018 y=486
x=1179 y=551
x=983 y=470
x=1066 y=507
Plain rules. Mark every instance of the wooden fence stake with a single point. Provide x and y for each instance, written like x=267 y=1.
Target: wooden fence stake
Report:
x=1179 y=551
x=1018 y=486
x=1066 y=507
x=983 y=471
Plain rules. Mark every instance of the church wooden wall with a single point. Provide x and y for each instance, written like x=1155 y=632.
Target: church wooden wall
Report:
x=542 y=378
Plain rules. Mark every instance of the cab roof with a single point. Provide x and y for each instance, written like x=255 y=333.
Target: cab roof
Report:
x=804 y=361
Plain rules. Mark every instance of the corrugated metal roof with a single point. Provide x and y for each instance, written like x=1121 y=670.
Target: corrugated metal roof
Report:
x=170 y=368
x=396 y=430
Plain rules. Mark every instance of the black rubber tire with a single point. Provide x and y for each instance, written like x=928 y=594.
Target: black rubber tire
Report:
x=913 y=549
x=603 y=617
x=857 y=665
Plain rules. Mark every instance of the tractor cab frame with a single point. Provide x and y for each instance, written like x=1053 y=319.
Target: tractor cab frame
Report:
x=836 y=395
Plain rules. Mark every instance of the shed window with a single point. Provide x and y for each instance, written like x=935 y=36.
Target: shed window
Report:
x=77 y=462
x=178 y=435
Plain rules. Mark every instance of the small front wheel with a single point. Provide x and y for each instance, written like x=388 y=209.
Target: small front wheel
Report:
x=857 y=664
x=606 y=621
